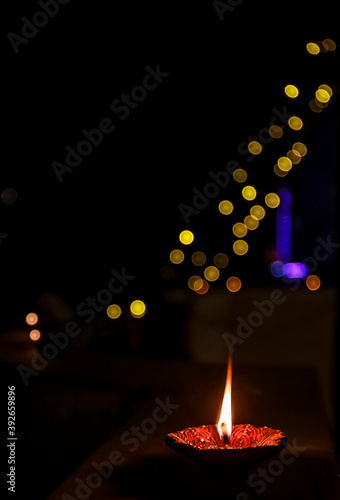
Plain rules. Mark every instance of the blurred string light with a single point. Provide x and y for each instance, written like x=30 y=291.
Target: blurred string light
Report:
x=113 y=311
x=283 y=226
x=251 y=222
x=198 y=258
x=233 y=284
x=275 y=131
x=299 y=148
x=240 y=229
x=186 y=237
x=257 y=212
x=176 y=256
x=221 y=260
x=272 y=200
x=249 y=193
x=35 y=335
x=295 y=123
x=294 y=157
x=254 y=147
x=211 y=273
x=240 y=175
x=322 y=95
x=291 y=91
x=204 y=288
x=313 y=48
x=284 y=163
x=225 y=207
x=240 y=247
x=313 y=282
x=137 y=308
x=31 y=319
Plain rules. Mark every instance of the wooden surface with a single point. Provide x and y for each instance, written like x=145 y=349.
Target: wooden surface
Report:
x=284 y=398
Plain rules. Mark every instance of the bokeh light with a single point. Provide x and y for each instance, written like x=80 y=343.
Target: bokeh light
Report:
x=312 y=48
x=239 y=229
x=275 y=131
x=240 y=247
x=254 y=147
x=294 y=270
x=198 y=258
x=113 y=311
x=195 y=283
x=279 y=172
x=294 y=157
x=299 y=148
x=249 y=193
x=186 y=237
x=225 y=207
x=295 y=123
x=329 y=44
x=31 y=319
x=35 y=335
x=322 y=95
x=211 y=273
x=284 y=163
x=251 y=222
x=204 y=288
x=272 y=200
x=314 y=106
x=176 y=256
x=313 y=282
x=240 y=175
x=9 y=196
x=233 y=284
x=137 y=308
x=276 y=268
x=257 y=212
x=291 y=91
x=326 y=88
x=221 y=260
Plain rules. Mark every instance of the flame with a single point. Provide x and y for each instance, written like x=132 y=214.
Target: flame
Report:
x=224 y=424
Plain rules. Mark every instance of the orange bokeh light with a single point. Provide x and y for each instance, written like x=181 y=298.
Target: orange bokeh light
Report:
x=31 y=319
x=313 y=282
x=233 y=284
x=35 y=335
x=204 y=288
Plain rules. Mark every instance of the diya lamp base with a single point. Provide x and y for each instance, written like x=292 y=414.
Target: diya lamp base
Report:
x=204 y=444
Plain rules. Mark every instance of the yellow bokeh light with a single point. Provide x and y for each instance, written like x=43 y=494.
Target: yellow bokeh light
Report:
x=249 y=193
x=251 y=222
x=284 y=163
x=275 y=131
x=291 y=91
x=322 y=95
x=195 y=283
x=257 y=212
x=279 y=172
x=254 y=147
x=312 y=48
x=295 y=123
x=272 y=200
x=35 y=335
x=137 y=308
x=329 y=44
x=186 y=237
x=221 y=260
x=240 y=175
x=113 y=311
x=314 y=106
x=211 y=273
x=225 y=207
x=313 y=282
x=31 y=319
x=198 y=258
x=327 y=88
x=294 y=157
x=240 y=247
x=233 y=284
x=239 y=229
x=299 y=148
x=176 y=256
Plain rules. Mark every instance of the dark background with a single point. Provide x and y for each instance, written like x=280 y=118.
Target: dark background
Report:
x=119 y=208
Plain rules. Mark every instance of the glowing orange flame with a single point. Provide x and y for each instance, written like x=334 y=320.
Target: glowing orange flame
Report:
x=224 y=424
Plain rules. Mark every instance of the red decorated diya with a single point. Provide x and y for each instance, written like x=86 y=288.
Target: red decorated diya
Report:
x=224 y=443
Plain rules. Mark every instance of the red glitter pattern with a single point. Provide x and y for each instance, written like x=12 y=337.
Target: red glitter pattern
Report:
x=206 y=437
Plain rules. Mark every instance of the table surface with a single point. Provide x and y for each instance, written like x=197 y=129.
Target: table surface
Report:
x=283 y=398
